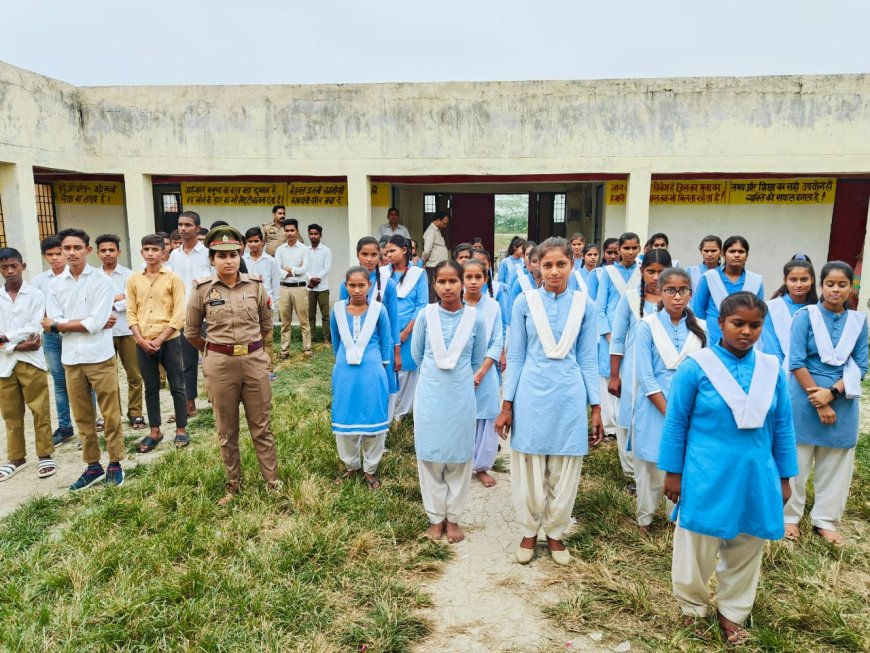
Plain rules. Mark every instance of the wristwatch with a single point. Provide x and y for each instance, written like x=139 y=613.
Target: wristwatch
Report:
x=53 y=327
x=835 y=391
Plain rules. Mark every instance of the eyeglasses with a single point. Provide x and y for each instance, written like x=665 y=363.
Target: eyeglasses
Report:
x=673 y=292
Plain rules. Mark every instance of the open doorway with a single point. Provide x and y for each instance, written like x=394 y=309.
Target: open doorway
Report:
x=511 y=219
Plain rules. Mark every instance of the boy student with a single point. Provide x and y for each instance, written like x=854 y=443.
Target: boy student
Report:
x=260 y=263
x=54 y=256
x=319 y=263
x=155 y=313
x=79 y=305
x=292 y=256
x=22 y=368
x=109 y=249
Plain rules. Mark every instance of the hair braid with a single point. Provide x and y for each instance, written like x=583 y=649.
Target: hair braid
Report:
x=378 y=282
x=693 y=326
x=642 y=291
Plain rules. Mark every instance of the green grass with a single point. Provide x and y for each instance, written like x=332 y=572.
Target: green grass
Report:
x=157 y=566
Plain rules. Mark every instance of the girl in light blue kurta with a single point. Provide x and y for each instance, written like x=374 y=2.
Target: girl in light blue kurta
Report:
x=798 y=289
x=498 y=291
x=828 y=359
x=728 y=448
x=711 y=254
x=662 y=341
x=448 y=344
x=551 y=377
x=527 y=277
x=512 y=263
x=632 y=306
x=361 y=342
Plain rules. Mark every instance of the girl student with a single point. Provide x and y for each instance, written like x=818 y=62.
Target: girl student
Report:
x=528 y=277
x=510 y=264
x=728 y=450
x=828 y=359
x=448 y=344
x=662 y=341
x=551 y=355
x=486 y=378
x=412 y=295
x=798 y=289
x=578 y=244
x=731 y=277
x=462 y=253
x=609 y=256
x=415 y=260
x=362 y=342
x=497 y=291
x=711 y=253
x=633 y=305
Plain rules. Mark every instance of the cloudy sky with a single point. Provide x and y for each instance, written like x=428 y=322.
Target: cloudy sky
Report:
x=101 y=42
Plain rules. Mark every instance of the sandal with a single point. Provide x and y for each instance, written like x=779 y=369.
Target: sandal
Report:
x=148 y=443
x=734 y=634
x=171 y=419
x=372 y=481
x=181 y=440
x=137 y=423
x=9 y=470
x=46 y=467
x=100 y=425
x=348 y=474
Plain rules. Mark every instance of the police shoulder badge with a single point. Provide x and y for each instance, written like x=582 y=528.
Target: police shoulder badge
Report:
x=214 y=298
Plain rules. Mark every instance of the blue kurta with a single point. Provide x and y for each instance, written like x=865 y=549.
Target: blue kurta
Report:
x=487 y=393
x=603 y=345
x=843 y=433
x=607 y=297
x=517 y=289
x=705 y=307
x=445 y=418
x=550 y=396
x=731 y=476
x=622 y=344
x=507 y=270
x=408 y=307
x=769 y=340
x=360 y=393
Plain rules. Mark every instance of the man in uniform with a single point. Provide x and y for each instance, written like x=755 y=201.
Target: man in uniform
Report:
x=235 y=364
x=273 y=232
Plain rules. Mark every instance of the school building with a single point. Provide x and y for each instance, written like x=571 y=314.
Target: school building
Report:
x=784 y=161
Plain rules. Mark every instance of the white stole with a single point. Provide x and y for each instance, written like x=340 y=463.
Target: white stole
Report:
x=694 y=275
x=488 y=308
x=749 y=410
x=496 y=287
x=581 y=282
x=751 y=283
x=665 y=346
x=781 y=319
x=353 y=351
x=542 y=324
x=447 y=358
x=525 y=282
x=842 y=354
x=621 y=284
x=633 y=299
x=412 y=276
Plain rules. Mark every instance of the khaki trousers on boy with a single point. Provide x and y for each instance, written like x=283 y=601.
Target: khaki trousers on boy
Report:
x=834 y=467
x=26 y=386
x=294 y=299
x=125 y=347
x=103 y=379
x=737 y=572
x=445 y=488
x=544 y=489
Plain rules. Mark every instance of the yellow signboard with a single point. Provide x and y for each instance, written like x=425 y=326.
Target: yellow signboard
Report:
x=382 y=195
x=308 y=193
x=94 y=193
x=688 y=191
x=232 y=193
x=697 y=192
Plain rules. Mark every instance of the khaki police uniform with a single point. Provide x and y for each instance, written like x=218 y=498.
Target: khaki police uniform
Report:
x=235 y=363
x=273 y=237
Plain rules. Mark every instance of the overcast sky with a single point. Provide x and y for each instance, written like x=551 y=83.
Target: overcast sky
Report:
x=101 y=42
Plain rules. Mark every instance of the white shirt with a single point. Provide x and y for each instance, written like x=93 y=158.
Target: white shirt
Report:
x=19 y=320
x=90 y=300
x=295 y=258
x=385 y=231
x=319 y=263
x=119 y=277
x=267 y=267
x=40 y=281
x=165 y=266
x=190 y=267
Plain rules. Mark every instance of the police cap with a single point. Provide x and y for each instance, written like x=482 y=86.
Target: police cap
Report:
x=224 y=239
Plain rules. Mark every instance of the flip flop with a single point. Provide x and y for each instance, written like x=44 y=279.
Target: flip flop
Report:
x=148 y=443
x=181 y=440
x=46 y=467
x=138 y=423
x=9 y=470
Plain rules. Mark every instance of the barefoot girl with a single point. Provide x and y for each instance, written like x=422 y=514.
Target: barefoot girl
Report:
x=551 y=357
x=728 y=449
x=361 y=342
x=798 y=290
x=711 y=253
x=448 y=344
x=828 y=359
x=663 y=340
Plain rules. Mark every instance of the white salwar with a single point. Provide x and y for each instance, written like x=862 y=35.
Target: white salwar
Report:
x=650 y=482
x=402 y=402
x=372 y=451
x=544 y=489
x=444 y=488
x=626 y=459
x=834 y=467
x=609 y=408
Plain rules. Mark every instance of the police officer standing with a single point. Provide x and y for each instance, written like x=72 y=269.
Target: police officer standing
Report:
x=273 y=232
x=235 y=364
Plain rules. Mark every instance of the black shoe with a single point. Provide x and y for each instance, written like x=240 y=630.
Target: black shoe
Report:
x=61 y=435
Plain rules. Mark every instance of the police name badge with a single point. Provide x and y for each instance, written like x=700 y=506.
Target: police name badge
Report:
x=214 y=298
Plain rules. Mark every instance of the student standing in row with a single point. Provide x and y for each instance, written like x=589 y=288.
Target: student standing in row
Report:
x=512 y=263
x=292 y=257
x=259 y=262
x=319 y=265
x=828 y=359
x=798 y=290
x=711 y=254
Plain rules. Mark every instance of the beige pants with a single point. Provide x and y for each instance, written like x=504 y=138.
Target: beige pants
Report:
x=444 y=487
x=103 y=379
x=125 y=347
x=650 y=482
x=294 y=299
x=834 y=467
x=26 y=386
x=544 y=489
x=608 y=408
x=626 y=458
x=372 y=451
x=737 y=572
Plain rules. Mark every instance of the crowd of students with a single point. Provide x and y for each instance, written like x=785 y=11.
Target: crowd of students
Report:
x=721 y=404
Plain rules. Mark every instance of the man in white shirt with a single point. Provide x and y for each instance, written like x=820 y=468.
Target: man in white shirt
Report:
x=190 y=262
x=292 y=257
x=109 y=249
x=79 y=305
x=392 y=227
x=319 y=263
x=23 y=372
x=434 y=249
x=260 y=263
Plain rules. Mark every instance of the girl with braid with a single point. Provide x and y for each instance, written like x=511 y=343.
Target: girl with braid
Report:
x=498 y=291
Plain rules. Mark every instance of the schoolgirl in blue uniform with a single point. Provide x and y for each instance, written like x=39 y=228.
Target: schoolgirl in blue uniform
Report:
x=448 y=344
x=591 y=254
x=731 y=277
x=361 y=342
x=609 y=256
x=527 y=277
x=578 y=244
x=711 y=254
x=512 y=263
x=798 y=289
x=728 y=450
x=658 y=240
x=500 y=293
x=828 y=359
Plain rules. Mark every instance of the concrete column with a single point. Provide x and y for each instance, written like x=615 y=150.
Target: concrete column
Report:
x=637 y=203
x=359 y=210
x=18 y=194
x=139 y=201
x=864 y=293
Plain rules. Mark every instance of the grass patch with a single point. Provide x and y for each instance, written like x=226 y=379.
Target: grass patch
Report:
x=157 y=566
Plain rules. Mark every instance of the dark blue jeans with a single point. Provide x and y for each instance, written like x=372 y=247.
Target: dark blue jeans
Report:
x=52 y=345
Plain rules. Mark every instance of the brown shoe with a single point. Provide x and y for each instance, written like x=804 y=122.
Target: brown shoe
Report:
x=233 y=488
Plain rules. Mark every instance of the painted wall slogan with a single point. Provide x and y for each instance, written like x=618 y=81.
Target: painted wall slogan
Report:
x=93 y=193
x=696 y=192
x=292 y=194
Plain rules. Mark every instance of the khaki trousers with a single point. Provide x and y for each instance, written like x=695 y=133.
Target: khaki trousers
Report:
x=650 y=482
x=834 y=467
x=102 y=378
x=444 y=488
x=544 y=489
x=26 y=386
x=125 y=347
x=626 y=458
x=372 y=451
x=737 y=572
x=319 y=298
x=230 y=380
x=294 y=299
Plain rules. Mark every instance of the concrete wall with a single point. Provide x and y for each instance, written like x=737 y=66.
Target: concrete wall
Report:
x=98 y=220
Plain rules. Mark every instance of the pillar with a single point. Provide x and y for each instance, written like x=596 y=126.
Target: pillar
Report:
x=359 y=210
x=18 y=195
x=637 y=203
x=139 y=204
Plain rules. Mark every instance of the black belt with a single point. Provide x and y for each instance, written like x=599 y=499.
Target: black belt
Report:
x=293 y=284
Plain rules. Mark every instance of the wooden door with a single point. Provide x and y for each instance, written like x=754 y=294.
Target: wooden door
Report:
x=471 y=215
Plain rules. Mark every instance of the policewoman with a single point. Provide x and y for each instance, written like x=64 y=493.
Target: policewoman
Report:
x=235 y=364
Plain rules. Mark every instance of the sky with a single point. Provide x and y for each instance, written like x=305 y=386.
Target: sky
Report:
x=101 y=42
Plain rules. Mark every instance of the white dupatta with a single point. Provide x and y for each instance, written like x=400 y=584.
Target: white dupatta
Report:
x=665 y=346
x=488 y=308
x=751 y=283
x=353 y=351
x=524 y=281
x=581 y=282
x=542 y=324
x=412 y=276
x=781 y=319
x=621 y=284
x=842 y=354
x=447 y=358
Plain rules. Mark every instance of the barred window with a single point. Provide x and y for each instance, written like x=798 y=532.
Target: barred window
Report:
x=429 y=204
x=559 y=208
x=45 y=213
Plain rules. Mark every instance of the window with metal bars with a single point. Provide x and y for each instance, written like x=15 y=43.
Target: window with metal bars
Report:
x=45 y=213
x=429 y=204
x=2 y=228
x=559 y=208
